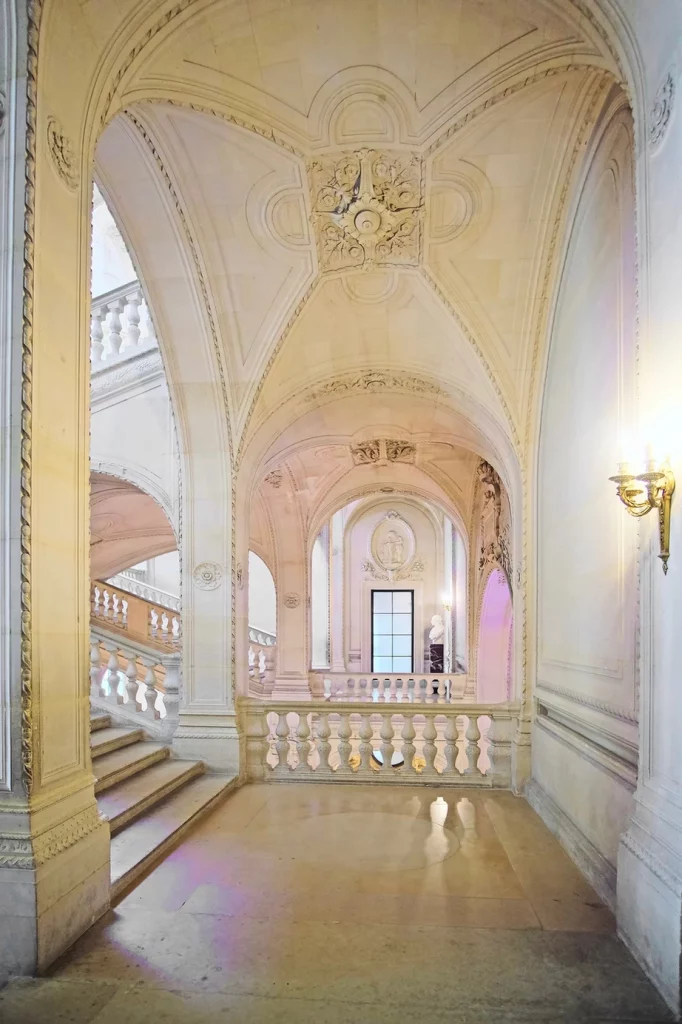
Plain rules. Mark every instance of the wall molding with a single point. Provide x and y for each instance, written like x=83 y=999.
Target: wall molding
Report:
x=622 y=714
x=600 y=873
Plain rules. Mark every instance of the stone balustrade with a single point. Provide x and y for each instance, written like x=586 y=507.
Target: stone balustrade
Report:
x=134 y=683
x=131 y=584
x=137 y=617
x=261 y=668
x=365 y=686
x=261 y=637
x=432 y=743
x=120 y=325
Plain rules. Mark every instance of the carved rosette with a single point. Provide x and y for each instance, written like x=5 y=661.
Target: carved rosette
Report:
x=291 y=600
x=661 y=111
x=207 y=576
x=367 y=209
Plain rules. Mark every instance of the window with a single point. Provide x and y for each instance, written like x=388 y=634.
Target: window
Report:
x=392 y=630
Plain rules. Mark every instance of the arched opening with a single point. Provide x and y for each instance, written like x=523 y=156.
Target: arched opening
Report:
x=262 y=597
x=494 y=641
x=127 y=526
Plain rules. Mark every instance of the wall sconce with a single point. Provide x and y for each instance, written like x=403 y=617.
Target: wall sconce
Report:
x=646 y=491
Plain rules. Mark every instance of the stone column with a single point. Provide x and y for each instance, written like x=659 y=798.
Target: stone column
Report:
x=54 y=850
x=293 y=590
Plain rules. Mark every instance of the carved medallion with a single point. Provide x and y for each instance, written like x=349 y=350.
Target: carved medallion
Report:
x=291 y=600
x=661 y=110
x=367 y=209
x=62 y=153
x=207 y=576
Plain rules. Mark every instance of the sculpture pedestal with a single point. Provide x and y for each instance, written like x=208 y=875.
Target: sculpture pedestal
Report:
x=436 y=657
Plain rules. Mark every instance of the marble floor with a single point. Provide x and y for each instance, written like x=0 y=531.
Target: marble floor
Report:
x=328 y=904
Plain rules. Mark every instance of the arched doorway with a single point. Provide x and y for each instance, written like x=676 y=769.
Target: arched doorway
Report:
x=494 y=636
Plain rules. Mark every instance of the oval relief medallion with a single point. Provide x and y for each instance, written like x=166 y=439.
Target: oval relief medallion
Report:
x=393 y=543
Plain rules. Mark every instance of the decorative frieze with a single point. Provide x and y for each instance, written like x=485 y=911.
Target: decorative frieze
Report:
x=373 y=382
x=367 y=209
x=381 y=451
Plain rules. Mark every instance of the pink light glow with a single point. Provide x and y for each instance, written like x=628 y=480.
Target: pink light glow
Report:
x=493 y=640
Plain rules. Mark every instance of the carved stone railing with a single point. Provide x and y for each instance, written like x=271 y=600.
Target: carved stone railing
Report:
x=120 y=325
x=429 y=744
x=155 y=595
x=135 y=683
x=398 y=686
x=137 y=618
x=261 y=669
x=261 y=637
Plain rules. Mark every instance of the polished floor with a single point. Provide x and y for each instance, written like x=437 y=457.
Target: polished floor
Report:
x=328 y=904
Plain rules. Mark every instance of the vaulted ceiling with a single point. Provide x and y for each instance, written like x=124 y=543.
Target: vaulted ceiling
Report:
x=328 y=191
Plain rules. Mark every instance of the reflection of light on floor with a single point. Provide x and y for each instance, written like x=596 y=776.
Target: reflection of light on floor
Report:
x=466 y=813
x=437 y=846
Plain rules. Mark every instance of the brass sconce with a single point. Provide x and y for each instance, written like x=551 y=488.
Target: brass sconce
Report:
x=646 y=491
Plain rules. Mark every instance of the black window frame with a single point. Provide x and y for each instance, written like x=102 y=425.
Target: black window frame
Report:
x=391 y=590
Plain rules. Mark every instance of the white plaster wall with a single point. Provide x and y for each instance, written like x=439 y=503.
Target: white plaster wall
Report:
x=427 y=586
x=132 y=434
x=262 y=596
x=586 y=543
x=111 y=264
x=164 y=572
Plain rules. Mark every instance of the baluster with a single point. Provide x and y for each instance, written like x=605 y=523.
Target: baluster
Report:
x=148 y=336
x=150 y=691
x=499 y=749
x=399 y=690
x=96 y=337
x=124 y=612
x=252 y=663
x=282 y=744
x=97 y=598
x=350 y=689
x=409 y=750
x=261 y=666
x=451 y=737
x=164 y=626
x=375 y=690
x=269 y=676
x=175 y=626
x=115 y=607
x=366 y=733
x=303 y=744
x=132 y=320
x=441 y=690
x=473 y=752
x=153 y=622
x=327 y=684
x=115 y=310
x=106 y=599
x=345 y=749
x=429 y=735
x=111 y=674
x=410 y=690
x=362 y=689
x=172 y=663
x=132 y=684
x=95 y=668
x=387 y=689
x=387 y=748
x=324 y=747
x=422 y=690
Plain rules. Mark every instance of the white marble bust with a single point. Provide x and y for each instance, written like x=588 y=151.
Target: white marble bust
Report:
x=437 y=631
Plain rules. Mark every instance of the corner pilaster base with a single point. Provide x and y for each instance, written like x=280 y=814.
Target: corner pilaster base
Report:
x=650 y=908
x=54 y=884
x=213 y=739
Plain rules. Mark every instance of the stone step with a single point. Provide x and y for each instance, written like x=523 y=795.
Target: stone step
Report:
x=126 y=801
x=114 y=768
x=104 y=741
x=136 y=848
x=99 y=722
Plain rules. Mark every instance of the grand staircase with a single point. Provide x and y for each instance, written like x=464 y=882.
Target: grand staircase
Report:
x=150 y=799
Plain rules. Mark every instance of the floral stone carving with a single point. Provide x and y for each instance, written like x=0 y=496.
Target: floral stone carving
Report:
x=661 y=110
x=62 y=153
x=367 y=209
x=207 y=576
x=292 y=600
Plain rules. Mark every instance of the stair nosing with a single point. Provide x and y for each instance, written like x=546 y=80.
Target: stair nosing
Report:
x=126 y=739
x=132 y=768
x=120 y=821
x=127 y=880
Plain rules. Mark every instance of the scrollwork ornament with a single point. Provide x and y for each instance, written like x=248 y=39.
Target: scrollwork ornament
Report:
x=207 y=576
x=659 y=119
x=62 y=153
